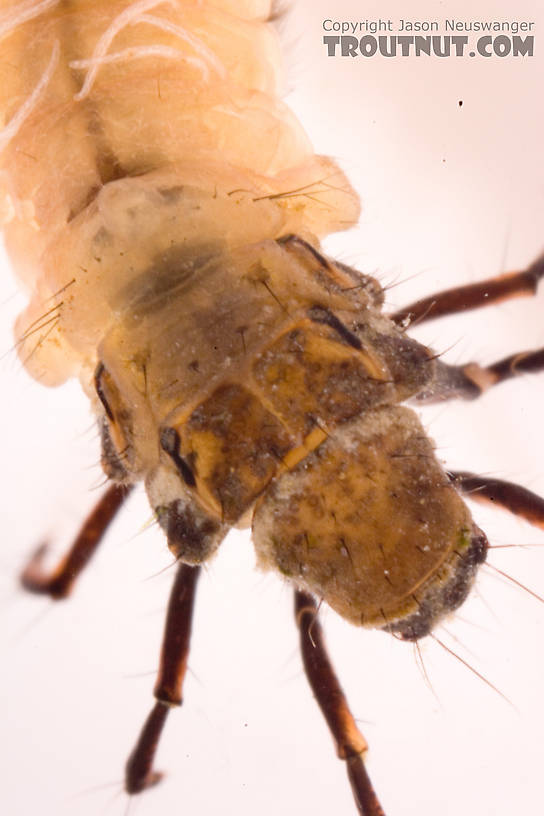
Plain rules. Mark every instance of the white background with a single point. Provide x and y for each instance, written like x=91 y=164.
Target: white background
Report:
x=450 y=194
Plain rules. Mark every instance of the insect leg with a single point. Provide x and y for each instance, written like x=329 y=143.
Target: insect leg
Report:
x=350 y=743
x=471 y=380
x=512 y=497
x=139 y=773
x=472 y=296
x=58 y=584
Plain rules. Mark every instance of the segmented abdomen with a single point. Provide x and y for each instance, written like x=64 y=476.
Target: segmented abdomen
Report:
x=131 y=127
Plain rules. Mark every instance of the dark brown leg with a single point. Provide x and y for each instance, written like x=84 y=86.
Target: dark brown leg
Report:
x=58 y=584
x=471 y=380
x=350 y=743
x=473 y=296
x=512 y=497
x=139 y=773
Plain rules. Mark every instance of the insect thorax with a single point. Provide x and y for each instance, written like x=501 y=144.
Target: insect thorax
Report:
x=265 y=376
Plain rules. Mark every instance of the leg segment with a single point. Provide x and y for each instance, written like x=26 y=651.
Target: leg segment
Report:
x=512 y=497
x=139 y=773
x=463 y=298
x=59 y=583
x=471 y=380
x=350 y=743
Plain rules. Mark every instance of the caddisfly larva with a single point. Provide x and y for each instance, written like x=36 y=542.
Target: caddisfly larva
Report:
x=114 y=60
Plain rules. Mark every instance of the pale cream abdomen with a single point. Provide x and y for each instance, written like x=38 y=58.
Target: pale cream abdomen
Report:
x=107 y=108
